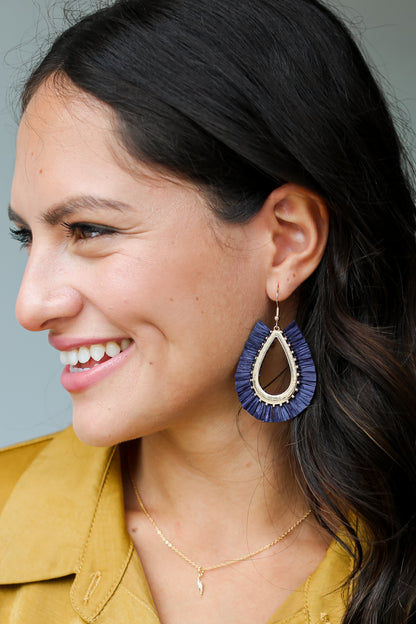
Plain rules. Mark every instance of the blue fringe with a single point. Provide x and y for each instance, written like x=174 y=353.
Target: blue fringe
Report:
x=307 y=376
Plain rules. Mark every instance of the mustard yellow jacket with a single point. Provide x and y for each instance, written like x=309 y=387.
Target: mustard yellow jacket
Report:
x=65 y=554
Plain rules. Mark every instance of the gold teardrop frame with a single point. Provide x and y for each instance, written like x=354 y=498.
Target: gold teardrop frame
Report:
x=284 y=397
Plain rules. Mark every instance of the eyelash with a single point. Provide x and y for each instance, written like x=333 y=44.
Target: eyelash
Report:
x=86 y=231
x=76 y=231
x=22 y=235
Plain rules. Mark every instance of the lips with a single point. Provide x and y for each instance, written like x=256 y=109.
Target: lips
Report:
x=87 y=356
x=92 y=372
x=92 y=359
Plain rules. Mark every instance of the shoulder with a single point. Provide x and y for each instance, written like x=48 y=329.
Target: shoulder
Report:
x=49 y=492
x=15 y=460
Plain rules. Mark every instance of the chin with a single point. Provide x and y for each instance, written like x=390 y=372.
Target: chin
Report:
x=103 y=426
x=93 y=430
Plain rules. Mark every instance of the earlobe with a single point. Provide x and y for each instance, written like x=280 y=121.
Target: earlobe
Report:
x=300 y=222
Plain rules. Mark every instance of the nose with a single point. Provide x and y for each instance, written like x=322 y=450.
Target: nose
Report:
x=46 y=296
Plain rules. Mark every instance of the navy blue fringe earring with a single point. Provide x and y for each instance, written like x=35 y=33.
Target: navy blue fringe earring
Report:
x=298 y=395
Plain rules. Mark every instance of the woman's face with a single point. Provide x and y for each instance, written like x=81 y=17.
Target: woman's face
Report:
x=121 y=254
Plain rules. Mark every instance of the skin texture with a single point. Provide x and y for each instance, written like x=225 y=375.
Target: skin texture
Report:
x=187 y=289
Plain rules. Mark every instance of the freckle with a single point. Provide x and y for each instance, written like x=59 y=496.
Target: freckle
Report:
x=150 y=363
x=134 y=530
x=41 y=171
x=248 y=464
x=293 y=274
x=170 y=299
x=196 y=298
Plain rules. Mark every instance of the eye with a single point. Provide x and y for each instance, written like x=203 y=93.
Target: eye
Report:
x=85 y=231
x=23 y=235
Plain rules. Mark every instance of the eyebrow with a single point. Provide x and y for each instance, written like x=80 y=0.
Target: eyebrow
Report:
x=62 y=210
x=13 y=216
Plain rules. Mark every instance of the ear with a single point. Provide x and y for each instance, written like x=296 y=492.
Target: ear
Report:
x=299 y=223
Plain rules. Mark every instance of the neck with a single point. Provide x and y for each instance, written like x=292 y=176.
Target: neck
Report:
x=222 y=476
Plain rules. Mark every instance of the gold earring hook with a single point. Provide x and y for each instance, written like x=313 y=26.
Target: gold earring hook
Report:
x=277 y=317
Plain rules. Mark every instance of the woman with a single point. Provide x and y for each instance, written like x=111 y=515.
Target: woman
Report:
x=180 y=165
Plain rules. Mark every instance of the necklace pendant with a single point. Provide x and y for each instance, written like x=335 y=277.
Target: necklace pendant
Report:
x=201 y=572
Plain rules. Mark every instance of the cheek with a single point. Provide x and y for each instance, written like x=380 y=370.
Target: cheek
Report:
x=195 y=295
x=136 y=290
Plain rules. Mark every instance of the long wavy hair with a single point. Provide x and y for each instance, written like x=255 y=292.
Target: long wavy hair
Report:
x=240 y=97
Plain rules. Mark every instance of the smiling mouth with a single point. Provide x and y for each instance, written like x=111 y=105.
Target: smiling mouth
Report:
x=86 y=357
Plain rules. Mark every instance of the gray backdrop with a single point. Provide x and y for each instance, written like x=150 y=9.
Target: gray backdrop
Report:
x=33 y=401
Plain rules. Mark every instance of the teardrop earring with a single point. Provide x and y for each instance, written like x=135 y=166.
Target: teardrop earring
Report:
x=298 y=395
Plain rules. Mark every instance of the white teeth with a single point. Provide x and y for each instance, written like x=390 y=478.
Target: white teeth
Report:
x=83 y=355
x=96 y=352
x=112 y=349
x=74 y=369
x=73 y=357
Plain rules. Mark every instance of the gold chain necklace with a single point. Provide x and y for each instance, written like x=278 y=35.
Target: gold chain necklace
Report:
x=201 y=570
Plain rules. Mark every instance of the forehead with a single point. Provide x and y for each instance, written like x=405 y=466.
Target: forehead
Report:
x=68 y=141
x=65 y=118
x=65 y=144
x=68 y=146
x=62 y=122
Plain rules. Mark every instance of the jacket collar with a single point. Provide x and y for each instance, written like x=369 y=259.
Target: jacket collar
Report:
x=64 y=517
